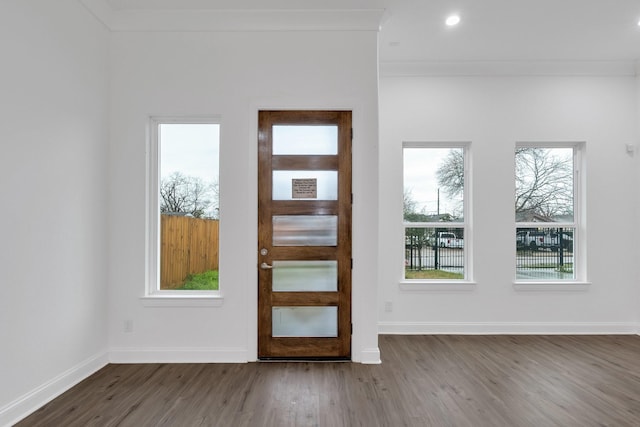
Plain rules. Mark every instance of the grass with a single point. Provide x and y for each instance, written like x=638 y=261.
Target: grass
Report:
x=207 y=281
x=432 y=274
x=567 y=268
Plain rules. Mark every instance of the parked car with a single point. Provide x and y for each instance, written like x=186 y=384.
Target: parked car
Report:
x=534 y=239
x=449 y=240
x=531 y=239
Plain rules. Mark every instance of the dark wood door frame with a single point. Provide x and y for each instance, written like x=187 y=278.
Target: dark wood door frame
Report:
x=270 y=347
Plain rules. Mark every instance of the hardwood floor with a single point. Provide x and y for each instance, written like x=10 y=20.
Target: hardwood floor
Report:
x=423 y=381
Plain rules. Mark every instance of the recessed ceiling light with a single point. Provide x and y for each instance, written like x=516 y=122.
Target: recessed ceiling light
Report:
x=452 y=20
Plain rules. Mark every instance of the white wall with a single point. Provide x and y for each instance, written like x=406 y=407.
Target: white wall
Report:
x=493 y=113
x=53 y=132
x=637 y=148
x=232 y=75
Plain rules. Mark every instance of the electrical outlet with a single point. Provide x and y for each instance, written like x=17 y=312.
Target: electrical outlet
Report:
x=388 y=306
x=128 y=326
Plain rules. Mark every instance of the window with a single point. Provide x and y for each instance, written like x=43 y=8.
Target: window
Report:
x=547 y=218
x=435 y=212
x=184 y=207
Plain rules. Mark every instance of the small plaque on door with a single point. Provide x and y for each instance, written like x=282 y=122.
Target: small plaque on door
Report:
x=304 y=188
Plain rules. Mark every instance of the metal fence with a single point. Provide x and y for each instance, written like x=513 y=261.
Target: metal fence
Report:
x=544 y=253
x=434 y=257
x=541 y=253
x=434 y=249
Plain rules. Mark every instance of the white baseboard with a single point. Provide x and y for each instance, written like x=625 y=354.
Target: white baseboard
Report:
x=178 y=355
x=36 y=398
x=370 y=356
x=507 y=328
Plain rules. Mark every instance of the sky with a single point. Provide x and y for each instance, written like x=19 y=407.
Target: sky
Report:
x=192 y=149
x=420 y=166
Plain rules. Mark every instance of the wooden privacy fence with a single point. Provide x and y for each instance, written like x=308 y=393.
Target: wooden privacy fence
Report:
x=187 y=246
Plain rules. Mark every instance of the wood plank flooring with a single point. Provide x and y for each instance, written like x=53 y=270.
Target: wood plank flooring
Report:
x=423 y=381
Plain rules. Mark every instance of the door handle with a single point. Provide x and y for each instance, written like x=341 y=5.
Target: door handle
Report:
x=266 y=266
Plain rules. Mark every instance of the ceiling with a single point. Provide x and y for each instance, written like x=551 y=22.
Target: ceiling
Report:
x=511 y=30
x=490 y=30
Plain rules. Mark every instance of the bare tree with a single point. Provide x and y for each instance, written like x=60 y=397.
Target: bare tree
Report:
x=188 y=194
x=450 y=173
x=544 y=180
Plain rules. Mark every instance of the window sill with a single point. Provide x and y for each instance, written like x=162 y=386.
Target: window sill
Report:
x=437 y=286
x=174 y=300
x=533 y=286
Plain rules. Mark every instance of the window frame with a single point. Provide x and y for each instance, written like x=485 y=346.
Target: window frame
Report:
x=466 y=283
x=578 y=223
x=153 y=295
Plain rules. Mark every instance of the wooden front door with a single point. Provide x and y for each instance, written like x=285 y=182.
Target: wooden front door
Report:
x=304 y=235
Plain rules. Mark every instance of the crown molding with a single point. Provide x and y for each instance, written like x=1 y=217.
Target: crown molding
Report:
x=100 y=9
x=211 y=20
x=508 y=68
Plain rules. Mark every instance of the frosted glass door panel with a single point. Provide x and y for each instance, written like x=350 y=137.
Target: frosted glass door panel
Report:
x=326 y=184
x=305 y=230
x=305 y=140
x=305 y=276
x=304 y=322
